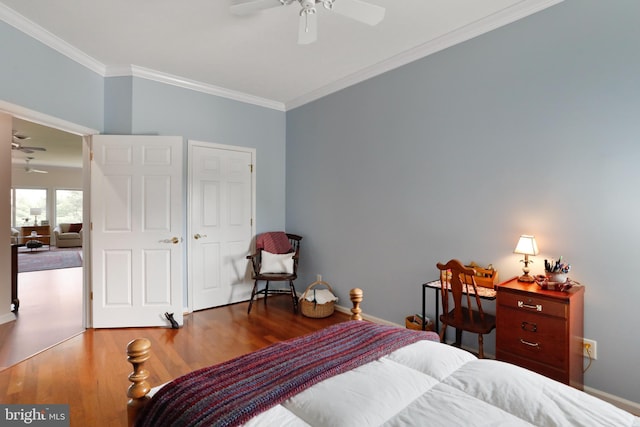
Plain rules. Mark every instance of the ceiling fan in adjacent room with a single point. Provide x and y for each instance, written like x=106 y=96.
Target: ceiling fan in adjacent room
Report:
x=16 y=144
x=308 y=27
x=29 y=169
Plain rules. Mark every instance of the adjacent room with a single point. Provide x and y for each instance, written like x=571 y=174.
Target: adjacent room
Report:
x=46 y=235
x=393 y=138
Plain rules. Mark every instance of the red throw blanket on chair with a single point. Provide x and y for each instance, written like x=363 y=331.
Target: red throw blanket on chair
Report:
x=275 y=242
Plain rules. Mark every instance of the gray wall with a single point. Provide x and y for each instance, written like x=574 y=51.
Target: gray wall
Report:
x=530 y=129
x=36 y=77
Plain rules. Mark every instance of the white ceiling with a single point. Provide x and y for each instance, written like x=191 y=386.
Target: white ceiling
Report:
x=200 y=45
x=256 y=58
x=63 y=149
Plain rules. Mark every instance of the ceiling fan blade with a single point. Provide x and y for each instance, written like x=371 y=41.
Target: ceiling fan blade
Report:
x=308 y=29
x=244 y=7
x=32 y=149
x=360 y=11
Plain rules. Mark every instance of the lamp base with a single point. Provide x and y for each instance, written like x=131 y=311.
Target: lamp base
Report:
x=526 y=278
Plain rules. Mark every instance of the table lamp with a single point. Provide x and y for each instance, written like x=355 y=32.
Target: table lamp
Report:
x=526 y=246
x=35 y=212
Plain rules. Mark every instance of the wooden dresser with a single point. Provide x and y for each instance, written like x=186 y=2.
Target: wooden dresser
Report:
x=42 y=230
x=541 y=330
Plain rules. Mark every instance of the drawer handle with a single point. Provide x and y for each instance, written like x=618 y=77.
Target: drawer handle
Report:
x=530 y=344
x=531 y=327
x=537 y=307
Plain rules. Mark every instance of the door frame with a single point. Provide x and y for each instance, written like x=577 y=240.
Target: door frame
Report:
x=190 y=144
x=16 y=111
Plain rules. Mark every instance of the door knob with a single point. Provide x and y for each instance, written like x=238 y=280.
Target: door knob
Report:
x=174 y=240
x=199 y=236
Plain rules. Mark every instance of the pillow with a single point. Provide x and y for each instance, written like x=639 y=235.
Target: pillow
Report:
x=276 y=263
x=75 y=228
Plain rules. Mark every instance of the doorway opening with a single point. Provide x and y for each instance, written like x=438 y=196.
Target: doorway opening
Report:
x=48 y=163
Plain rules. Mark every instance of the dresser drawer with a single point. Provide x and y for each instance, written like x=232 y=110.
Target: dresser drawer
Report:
x=533 y=304
x=540 y=329
x=533 y=336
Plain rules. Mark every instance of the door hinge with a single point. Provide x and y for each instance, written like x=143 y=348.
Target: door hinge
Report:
x=91 y=295
x=251 y=222
x=91 y=155
x=251 y=167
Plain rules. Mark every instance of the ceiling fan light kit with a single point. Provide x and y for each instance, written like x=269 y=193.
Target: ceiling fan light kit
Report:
x=16 y=144
x=308 y=25
x=29 y=169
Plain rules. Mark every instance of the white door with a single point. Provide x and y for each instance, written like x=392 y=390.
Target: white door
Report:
x=221 y=200
x=137 y=220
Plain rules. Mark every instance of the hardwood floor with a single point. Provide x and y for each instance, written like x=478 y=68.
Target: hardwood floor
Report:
x=89 y=371
x=50 y=312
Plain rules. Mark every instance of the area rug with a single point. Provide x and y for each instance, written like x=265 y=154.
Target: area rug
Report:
x=48 y=260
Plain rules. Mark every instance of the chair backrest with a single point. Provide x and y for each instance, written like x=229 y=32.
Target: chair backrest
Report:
x=273 y=240
x=461 y=281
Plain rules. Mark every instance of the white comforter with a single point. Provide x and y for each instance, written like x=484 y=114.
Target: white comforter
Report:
x=431 y=384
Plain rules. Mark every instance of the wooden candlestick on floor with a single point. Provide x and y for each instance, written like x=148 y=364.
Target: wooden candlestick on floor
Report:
x=356 y=299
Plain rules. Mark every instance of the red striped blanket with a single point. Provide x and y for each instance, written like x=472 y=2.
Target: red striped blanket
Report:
x=233 y=392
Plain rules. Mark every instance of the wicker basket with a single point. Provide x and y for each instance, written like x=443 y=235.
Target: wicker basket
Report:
x=315 y=310
x=412 y=323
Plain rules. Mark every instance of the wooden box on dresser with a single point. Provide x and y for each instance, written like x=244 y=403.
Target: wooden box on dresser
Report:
x=541 y=330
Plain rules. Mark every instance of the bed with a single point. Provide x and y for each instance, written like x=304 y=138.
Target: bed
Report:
x=359 y=373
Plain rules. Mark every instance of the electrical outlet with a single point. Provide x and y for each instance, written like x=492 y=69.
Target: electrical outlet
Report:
x=592 y=346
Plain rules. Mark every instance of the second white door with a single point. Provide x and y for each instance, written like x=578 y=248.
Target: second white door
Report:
x=221 y=201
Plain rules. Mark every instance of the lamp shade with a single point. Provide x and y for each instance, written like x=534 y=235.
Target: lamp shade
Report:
x=36 y=211
x=526 y=245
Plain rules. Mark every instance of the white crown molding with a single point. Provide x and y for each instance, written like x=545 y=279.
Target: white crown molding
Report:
x=48 y=39
x=35 y=31
x=158 y=76
x=45 y=119
x=499 y=19
x=504 y=17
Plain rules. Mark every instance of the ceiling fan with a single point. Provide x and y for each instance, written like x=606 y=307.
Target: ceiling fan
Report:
x=29 y=169
x=16 y=144
x=308 y=27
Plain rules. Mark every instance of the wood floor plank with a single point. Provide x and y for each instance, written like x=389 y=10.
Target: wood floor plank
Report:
x=90 y=371
x=50 y=312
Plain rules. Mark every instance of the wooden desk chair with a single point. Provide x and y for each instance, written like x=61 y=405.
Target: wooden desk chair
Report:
x=460 y=317
x=282 y=248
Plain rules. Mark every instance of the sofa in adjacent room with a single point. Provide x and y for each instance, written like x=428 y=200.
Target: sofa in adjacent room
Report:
x=68 y=235
x=15 y=236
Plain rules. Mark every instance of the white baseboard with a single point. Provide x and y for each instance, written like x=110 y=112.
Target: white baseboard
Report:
x=621 y=403
x=373 y=319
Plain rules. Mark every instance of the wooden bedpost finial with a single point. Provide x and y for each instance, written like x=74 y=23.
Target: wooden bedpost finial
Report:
x=356 y=298
x=138 y=352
